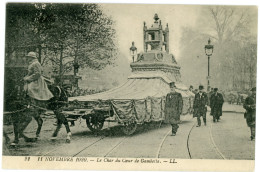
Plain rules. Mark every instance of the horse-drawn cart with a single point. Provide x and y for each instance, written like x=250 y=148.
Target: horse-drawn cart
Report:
x=142 y=98
x=138 y=101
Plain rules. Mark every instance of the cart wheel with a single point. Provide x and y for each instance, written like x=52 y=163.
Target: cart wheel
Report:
x=129 y=129
x=94 y=124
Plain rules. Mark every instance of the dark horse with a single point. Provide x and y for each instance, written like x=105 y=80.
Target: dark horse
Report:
x=33 y=108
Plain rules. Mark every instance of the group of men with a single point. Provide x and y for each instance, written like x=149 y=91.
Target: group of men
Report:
x=174 y=105
x=201 y=101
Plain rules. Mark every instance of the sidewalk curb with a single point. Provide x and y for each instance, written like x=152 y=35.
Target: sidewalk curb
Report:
x=230 y=111
x=227 y=111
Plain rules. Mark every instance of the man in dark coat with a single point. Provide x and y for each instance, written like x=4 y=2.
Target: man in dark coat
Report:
x=173 y=108
x=200 y=105
x=210 y=93
x=250 y=106
x=216 y=103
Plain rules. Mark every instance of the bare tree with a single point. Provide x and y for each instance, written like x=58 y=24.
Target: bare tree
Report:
x=229 y=28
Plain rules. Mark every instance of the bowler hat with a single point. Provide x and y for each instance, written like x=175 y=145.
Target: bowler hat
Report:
x=172 y=84
x=31 y=54
x=253 y=89
x=201 y=87
x=215 y=89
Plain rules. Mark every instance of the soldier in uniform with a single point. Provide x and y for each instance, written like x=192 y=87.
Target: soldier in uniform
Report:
x=250 y=106
x=200 y=105
x=216 y=103
x=173 y=108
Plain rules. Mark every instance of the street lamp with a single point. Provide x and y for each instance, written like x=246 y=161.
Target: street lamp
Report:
x=76 y=70
x=208 y=51
x=133 y=51
x=76 y=67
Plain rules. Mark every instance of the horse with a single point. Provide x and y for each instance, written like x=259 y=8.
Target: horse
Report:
x=34 y=108
x=56 y=103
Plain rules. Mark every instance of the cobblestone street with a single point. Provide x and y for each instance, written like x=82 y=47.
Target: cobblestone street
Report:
x=227 y=139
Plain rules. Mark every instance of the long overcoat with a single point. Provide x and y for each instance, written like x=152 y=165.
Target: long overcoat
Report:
x=216 y=103
x=36 y=87
x=199 y=105
x=250 y=106
x=173 y=107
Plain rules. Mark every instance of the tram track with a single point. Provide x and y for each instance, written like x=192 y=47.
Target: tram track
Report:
x=218 y=152
x=161 y=144
x=188 y=138
x=214 y=144
x=106 y=154
x=188 y=143
x=92 y=144
x=111 y=147
x=64 y=145
x=73 y=140
x=205 y=142
x=111 y=150
x=86 y=147
x=114 y=148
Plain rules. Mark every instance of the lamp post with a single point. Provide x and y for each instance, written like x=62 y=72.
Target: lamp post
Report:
x=76 y=69
x=208 y=51
x=133 y=51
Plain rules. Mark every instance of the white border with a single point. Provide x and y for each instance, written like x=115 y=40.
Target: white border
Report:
x=197 y=2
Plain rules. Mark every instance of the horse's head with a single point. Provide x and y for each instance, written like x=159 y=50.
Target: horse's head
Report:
x=59 y=97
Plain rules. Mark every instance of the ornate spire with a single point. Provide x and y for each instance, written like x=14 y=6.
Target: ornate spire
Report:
x=156 y=18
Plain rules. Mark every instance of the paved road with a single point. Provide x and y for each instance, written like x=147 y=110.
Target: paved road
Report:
x=227 y=139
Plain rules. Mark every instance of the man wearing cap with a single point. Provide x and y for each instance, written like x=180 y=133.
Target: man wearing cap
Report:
x=200 y=105
x=192 y=90
x=35 y=85
x=250 y=106
x=216 y=103
x=173 y=108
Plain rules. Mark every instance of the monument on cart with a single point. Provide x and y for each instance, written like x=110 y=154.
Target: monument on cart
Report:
x=142 y=98
x=156 y=59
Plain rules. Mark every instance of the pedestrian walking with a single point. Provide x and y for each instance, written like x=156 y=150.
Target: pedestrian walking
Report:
x=192 y=90
x=210 y=93
x=173 y=108
x=250 y=106
x=216 y=103
x=200 y=105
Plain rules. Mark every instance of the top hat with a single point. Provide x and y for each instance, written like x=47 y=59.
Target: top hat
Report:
x=201 y=87
x=253 y=89
x=31 y=54
x=172 y=85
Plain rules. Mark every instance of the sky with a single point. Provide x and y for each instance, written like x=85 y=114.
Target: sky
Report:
x=129 y=20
